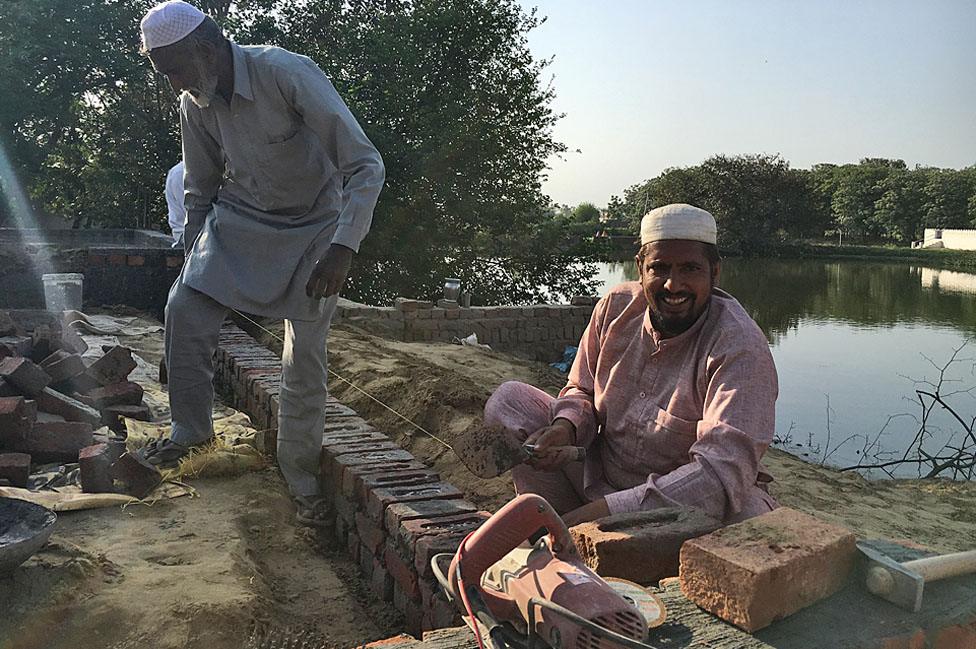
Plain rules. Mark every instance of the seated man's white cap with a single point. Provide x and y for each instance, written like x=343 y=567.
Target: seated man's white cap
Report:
x=168 y=23
x=678 y=221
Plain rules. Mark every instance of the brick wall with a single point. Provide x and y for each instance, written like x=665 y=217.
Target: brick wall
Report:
x=540 y=332
x=392 y=512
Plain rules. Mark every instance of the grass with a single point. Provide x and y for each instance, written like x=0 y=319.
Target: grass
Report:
x=961 y=260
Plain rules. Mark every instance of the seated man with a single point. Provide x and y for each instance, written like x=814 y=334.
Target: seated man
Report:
x=672 y=392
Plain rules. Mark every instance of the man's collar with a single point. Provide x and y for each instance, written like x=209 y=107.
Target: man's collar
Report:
x=242 y=80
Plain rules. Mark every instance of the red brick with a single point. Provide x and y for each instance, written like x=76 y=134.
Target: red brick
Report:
x=96 y=260
x=413 y=612
x=954 y=637
x=370 y=481
x=609 y=545
x=135 y=260
x=428 y=546
x=23 y=374
x=353 y=546
x=139 y=476
x=16 y=419
x=116 y=260
x=56 y=403
x=44 y=341
x=366 y=563
x=15 y=469
x=346 y=509
x=15 y=346
x=355 y=448
x=6 y=389
x=402 y=571
x=380 y=582
x=112 y=415
x=347 y=424
x=346 y=436
x=372 y=535
x=54 y=441
x=7 y=325
x=113 y=367
x=431 y=509
x=379 y=499
x=402 y=641
x=126 y=393
x=173 y=261
x=352 y=476
x=766 y=568
x=61 y=366
x=95 y=464
x=332 y=468
x=413 y=530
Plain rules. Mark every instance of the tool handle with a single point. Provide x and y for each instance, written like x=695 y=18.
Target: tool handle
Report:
x=943 y=566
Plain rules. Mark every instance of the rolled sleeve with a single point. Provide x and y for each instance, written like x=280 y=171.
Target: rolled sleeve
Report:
x=358 y=162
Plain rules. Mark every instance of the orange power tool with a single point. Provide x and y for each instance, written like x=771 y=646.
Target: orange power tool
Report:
x=516 y=594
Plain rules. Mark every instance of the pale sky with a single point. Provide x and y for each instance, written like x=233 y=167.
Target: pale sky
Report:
x=651 y=84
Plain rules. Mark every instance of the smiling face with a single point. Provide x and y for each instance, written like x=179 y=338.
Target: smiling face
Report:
x=677 y=278
x=188 y=68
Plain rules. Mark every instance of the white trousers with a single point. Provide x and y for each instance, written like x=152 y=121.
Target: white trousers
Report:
x=193 y=322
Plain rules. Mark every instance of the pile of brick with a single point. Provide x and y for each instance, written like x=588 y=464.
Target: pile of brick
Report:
x=57 y=408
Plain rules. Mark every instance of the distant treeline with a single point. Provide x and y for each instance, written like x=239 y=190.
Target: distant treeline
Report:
x=760 y=202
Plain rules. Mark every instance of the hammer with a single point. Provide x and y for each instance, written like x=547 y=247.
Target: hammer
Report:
x=902 y=583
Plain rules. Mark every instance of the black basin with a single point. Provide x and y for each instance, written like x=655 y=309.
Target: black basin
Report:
x=24 y=529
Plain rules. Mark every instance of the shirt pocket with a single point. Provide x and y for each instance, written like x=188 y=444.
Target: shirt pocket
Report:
x=665 y=440
x=292 y=174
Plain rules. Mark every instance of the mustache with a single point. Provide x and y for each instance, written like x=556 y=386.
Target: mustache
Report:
x=663 y=294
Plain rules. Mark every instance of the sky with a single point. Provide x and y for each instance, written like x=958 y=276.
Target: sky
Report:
x=651 y=84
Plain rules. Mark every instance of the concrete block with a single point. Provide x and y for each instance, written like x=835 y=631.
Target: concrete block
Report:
x=766 y=568
x=609 y=545
x=139 y=476
x=15 y=469
x=126 y=393
x=379 y=499
x=113 y=367
x=52 y=401
x=54 y=441
x=61 y=366
x=24 y=375
x=95 y=464
x=397 y=513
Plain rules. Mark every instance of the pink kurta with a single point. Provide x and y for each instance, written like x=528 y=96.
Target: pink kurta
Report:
x=674 y=421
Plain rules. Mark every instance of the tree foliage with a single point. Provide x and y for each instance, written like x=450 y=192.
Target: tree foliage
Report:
x=759 y=201
x=446 y=89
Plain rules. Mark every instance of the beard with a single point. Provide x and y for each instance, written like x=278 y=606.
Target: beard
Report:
x=205 y=90
x=671 y=323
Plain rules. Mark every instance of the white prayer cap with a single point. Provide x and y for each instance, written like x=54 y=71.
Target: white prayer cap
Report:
x=678 y=221
x=168 y=23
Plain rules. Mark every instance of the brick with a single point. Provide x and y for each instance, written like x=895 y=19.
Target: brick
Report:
x=135 y=260
x=112 y=416
x=954 y=637
x=96 y=260
x=766 y=568
x=353 y=546
x=126 y=393
x=380 y=581
x=411 y=531
x=54 y=402
x=16 y=419
x=15 y=469
x=24 y=375
x=402 y=571
x=352 y=476
x=609 y=545
x=402 y=641
x=366 y=563
x=379 y=499
x=6 y=389
x=346 y=509
x=429 y=509
x=15 y=346
x=356 y=448
x=332 y=468
x=139 y=476
x=95 y=464
x=371 y=481
x=61 y=366
x=371 y=533
x=413 y=612
x=429 y=546
x=173 y=261
x=54 y=441
x=116 y=260
x=7 y=325
x=113 y=367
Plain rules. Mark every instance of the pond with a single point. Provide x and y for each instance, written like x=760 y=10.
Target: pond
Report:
x=852 y=343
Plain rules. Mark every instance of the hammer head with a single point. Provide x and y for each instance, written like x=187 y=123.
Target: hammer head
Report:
x=890 y=580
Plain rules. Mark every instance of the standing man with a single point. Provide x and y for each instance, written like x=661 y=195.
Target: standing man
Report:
x=176 y=212
x=673 y=392
x=280 y=186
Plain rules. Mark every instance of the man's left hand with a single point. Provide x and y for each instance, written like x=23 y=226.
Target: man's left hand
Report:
x=330 y=272
x=588 y=512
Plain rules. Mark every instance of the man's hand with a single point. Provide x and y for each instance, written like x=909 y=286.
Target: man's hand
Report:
x=550 y=445
x=588 y=512
x=330 y=272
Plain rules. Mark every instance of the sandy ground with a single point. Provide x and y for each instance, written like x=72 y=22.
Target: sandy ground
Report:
x=209 y=571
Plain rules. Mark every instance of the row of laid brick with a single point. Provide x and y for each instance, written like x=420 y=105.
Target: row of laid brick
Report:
x=393 y=513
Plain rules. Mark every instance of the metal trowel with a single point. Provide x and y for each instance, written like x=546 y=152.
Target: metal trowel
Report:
x=489 y=451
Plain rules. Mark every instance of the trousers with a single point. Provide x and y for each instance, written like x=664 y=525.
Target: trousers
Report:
x=193 y=321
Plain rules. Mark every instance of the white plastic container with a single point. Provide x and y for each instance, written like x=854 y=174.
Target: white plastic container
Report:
x=62 y=291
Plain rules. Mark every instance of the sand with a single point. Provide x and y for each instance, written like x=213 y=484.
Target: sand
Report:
x=207 y=572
